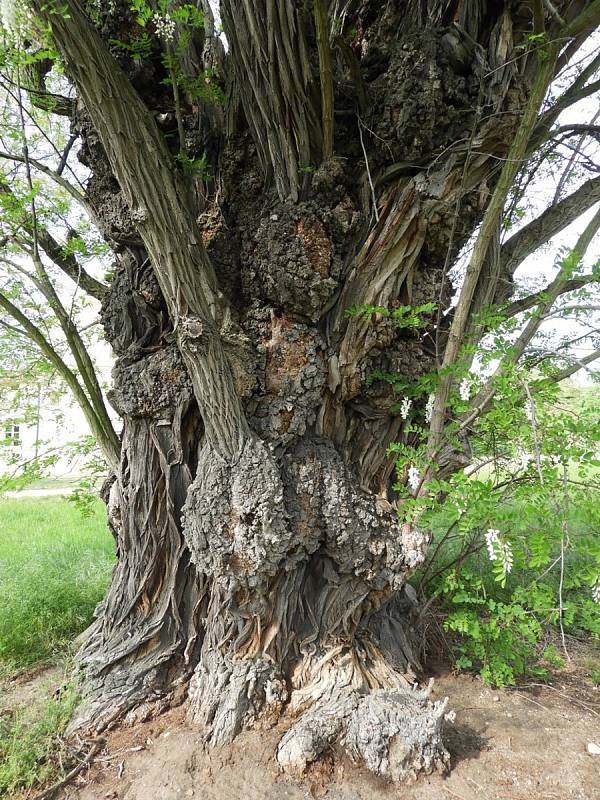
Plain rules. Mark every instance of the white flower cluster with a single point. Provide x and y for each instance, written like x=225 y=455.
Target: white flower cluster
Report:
x=405 y=407
x=525 y=459
x=596 y=591
x=506 y=556
x=465 y=387
x=429 y=407
x=492 y=537
x=414 y=478
x=499 y=550
x=164 y=26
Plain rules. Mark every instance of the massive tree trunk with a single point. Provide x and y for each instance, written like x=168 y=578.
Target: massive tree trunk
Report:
x=255 y=516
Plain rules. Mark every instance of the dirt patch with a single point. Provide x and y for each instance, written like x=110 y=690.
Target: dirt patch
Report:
x=27 y=686
x=514 y=744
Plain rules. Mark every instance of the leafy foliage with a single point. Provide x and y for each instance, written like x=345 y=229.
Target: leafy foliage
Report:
x=538 y=487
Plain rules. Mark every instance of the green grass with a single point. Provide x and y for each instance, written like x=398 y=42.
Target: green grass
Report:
x=30 y=741
x=54 y=568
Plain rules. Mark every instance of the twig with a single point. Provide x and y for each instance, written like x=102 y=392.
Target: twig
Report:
x=535 y=702
x=51 y=790
x=362 y=144
x=534 y=431
x=560 y=694
x=454 y=794
x=63 y=159
x=552 y=9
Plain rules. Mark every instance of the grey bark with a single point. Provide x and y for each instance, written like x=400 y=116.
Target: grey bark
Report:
x=254 y=511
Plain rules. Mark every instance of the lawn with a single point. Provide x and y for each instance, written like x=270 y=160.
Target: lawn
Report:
x=54 y=569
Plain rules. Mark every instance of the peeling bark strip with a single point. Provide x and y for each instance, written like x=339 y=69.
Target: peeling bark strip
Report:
x=148 y=632
x=274 y=79
x=260 y=554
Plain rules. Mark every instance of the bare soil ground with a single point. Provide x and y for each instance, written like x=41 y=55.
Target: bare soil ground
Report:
x=516 y=744
x=20 y=691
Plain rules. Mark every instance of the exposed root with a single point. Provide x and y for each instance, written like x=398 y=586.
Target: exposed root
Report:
x=398 y=734
x=356 y=699
x=314 y=733
x=228 y=695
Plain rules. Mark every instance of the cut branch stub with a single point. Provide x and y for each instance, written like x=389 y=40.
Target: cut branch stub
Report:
x=398 y=734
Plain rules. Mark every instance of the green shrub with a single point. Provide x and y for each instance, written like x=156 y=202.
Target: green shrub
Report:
x=516 y=543
x=495 y=638
x=552 y=656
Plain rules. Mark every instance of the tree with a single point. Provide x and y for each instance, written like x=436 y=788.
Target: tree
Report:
x=285 y=212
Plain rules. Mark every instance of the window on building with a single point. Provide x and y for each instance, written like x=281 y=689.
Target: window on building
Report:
x=13 y=435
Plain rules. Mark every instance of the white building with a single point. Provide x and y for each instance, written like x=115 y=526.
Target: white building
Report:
x=40 y=424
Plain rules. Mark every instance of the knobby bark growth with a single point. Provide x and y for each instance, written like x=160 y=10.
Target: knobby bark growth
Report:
x=259 y=552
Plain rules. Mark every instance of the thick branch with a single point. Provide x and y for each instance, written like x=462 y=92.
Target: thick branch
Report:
x=580 y=363
x=488 y=231
x=70 y=266
x=484 y=397
x=78 y=349
x=56 y=177
x=65 y=261
x=578 y=90
x=111 y=453
x=555 y=219
x=577 y=130
x=165 y=220
x=34 y=82
x=525 y=303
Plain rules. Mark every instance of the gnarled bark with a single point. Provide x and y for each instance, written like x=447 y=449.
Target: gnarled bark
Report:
x=256 y=521
x=148 y=632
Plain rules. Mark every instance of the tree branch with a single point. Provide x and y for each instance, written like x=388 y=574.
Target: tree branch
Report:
x=568 y=171
x=56 y=177
x=67 y=262
x=578 y=90
x=165 y=220
x=536 y=233
x=525 y=303
x=111 y=452
x=70 y=265
x=487 y=233
x=486 y=394
x=109 y=440
x=34 y=82
x=577 y=129
x=579 y=363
